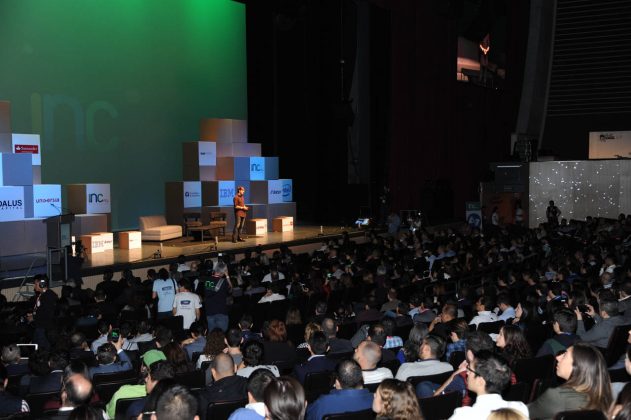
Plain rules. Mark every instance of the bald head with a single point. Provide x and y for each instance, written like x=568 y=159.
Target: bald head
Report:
x=368 y=354
x=77 y=390
x=329 y=328
x=222 y=366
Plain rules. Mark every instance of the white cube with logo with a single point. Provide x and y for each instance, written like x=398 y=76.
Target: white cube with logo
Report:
x=89 y=198
x=16 y=169
x=11 y=203
x=130 y=240
x=221 y=193
x=274 y=191
x=287 y=187
x=199 y=161
x=256 y=226
x=43 y=200
x=92 y=243
x=283 y=224
x=108 y=240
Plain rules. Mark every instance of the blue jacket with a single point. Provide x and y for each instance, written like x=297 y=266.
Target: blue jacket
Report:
x=340 y=401
x=122 y=365
x=245 y=414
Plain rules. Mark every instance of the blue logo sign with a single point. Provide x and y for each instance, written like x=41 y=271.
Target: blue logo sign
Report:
x=226 y=192
x=286 y=190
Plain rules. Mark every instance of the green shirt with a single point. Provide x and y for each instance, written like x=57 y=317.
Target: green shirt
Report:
x=125 y=391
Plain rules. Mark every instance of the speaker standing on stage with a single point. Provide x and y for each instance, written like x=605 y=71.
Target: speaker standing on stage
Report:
x=239 y=214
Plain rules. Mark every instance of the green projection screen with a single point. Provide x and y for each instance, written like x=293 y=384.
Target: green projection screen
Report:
x=114 y=87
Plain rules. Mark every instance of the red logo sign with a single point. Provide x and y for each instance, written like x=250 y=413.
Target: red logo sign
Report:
x=27 y=148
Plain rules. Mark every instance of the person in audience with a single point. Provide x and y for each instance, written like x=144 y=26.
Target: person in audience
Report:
x=273 y=275
x=506 y=414
x=624 y=302
x=226 y=386
x=564 y=327
x=391 y=304
x=318 y=362
x=285 y=399
x=336 y=345
x=367 y=355
x=392 y=341
x=215 y=291
x=176 y=402
x=395 y=399
x=245 y=325
x=587 y=384
x=103 y=328
x=215 y=344
x=42 y=317
x=616 y=387
x=196 y=342
x=606 y=322
x=421 y=309
x=164 y=290
x=143 y=329
x=46 y=373
x=252 y=358
x=158 y=372
x=440 y=325
x=410 y=350
x=11 y=361
x=512 y=344
x=10 y=404
x=377 y=334
x=186 y=304
x=176 y=355
x=320 y=315
x=483 y=306
x=233 y=342
x=80 y=348
x=76 y=390
x=432 y=349
x=487 y=376
x=349 y=394
x=272 y=293
x=255 y=409
x=302 y=351
x=277 y=348
x=504 y=305
x=106 y=357
x=458 y=330
x=86 y=412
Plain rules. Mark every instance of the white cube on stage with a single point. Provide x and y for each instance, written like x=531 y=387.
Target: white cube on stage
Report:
x=27 y=144
x=283 y=224
x=92 y=243
x=274 y=191
x=11 y=203
x=256 y=226
x=288 y=190
x=108 y=240
x=130 y=240
x=16 y=169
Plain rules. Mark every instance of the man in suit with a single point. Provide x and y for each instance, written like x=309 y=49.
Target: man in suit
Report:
x=76 y=391
x=226 y=386
x=336 y=345
x=608 y=319
x=106 y=357
x=42 y=381
x=349 y=394
x=318 y=362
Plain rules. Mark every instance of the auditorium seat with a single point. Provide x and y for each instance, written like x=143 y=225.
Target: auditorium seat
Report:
x=155 y=228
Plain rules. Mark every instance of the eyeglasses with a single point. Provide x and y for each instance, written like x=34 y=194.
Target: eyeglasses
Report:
x=473 y=371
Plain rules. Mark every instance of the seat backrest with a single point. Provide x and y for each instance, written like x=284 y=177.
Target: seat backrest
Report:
x=440 y=406
x=122 y=405
x=491 y=327
x=36 y=402
x=617 y=344
x=355 y=415
x=195 y=379
x=318 y=383
x=147 y=222
x=393 y=365
x=221 y=410
x=527 y=370
x=439 y=378
x=217 y=216
x=106 y=384
x=517 y=392
x=580 y=415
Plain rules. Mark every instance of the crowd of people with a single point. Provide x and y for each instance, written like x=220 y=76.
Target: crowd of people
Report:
x=396 y=321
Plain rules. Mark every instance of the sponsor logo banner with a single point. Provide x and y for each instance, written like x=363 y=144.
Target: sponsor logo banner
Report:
x=98 y=197
x=47 y=200
x=274 y=191
x=192 y=194
x=11 y=203
x=207 y=153
x=288 y=190
x=257 y=169
x=227 y=191
x=27 y=143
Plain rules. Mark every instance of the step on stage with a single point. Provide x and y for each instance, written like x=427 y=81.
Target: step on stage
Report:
x=161 y=253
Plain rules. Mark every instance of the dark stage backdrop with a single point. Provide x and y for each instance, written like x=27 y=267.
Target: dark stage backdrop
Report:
x=115 y=86
x=431 y=137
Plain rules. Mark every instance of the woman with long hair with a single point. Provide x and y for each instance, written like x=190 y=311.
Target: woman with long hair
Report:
x=176 y=355
x=587 y=385
x=285 y=400
x=512 y=344
x=277 y=349
x=215 y=344
x=396 y=400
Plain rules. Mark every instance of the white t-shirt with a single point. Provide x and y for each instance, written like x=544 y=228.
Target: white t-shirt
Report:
x=483 y=406
x=185 y=304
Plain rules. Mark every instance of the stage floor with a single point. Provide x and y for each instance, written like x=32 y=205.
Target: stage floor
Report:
x=195 y=249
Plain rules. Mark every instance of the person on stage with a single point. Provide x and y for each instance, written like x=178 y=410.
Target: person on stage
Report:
x=240 y=210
